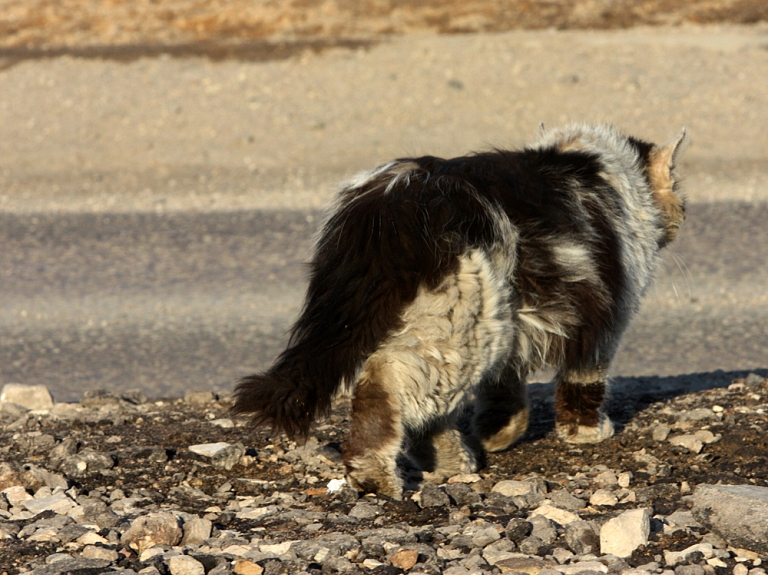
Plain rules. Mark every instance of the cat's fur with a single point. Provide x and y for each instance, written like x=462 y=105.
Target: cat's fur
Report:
x=438 y=282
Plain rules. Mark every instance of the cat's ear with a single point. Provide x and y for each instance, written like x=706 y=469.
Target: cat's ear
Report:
x=661 y=166
x=663 y=158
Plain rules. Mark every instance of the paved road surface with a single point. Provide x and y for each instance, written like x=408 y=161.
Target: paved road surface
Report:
x=194 y=301
x=156 y=214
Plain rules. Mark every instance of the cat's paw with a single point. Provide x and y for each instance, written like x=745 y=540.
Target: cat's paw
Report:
x=584 y=433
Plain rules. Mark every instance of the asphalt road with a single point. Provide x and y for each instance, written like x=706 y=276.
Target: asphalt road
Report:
x=155 y=214
x=176 y=302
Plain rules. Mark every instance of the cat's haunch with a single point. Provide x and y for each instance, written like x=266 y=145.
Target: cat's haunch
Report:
x=436 y=283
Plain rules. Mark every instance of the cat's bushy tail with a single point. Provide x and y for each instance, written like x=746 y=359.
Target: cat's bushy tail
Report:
x=397 y=229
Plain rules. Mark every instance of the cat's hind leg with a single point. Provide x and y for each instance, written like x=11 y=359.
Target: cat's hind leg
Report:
x=501 y=410
x=376 y=435
x=579 y=397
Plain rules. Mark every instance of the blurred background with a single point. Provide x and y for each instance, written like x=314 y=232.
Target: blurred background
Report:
x=164 y=164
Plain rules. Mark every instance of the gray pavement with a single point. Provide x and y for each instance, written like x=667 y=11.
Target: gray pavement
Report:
x=174 y=302
x=156 y=214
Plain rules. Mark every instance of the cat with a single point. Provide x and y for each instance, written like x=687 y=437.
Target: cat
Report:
x=438 y=283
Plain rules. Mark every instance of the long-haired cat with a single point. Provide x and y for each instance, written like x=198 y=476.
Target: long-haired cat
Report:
x=436 y=283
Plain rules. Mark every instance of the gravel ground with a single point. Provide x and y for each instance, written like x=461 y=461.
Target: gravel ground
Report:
x=123 y=484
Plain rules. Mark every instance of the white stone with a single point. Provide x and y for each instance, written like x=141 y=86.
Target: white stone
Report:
x=256 y=512
x=335 y=484
x=147 y=554
x=58 y=503
x=512 y=488
x=625 y=479
x=34 y=397
x=45 y=534
x=464 y=478
x=603 y=497
x=185 y=565
x=237 y=550
x=196 y=531
x=277 y=549
x=574 y=568
x=690 y=442
x=621 y=535
x=223 y=423
x=706 y=436
x=674 y=557
x=96 y=552
x=209 y=449
x=560 y=516
x=16 y=495
x=91 y=538
x=606 y=478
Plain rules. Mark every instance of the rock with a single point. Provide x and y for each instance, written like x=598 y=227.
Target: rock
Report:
x=674 y=557
x=185 y=565
x=33 y=397
x=518 y=529
x=679 y=520
x=247 y=567
x=222 y=454
x=706 y=436
x=661 y=432
x=625 y=479
x=534 y=545
x=196 y=531
x=606 y=479
x=738 y=513
x=199 y=397
x=560 y=516
x=8 y=476
x=58 y=503
x=405 y=559
x=98 y=398
x=511 y=488
x=224 y=423
x=35 y=477
x=699 y=414
x=86 y=462
x=590 y=567
x=529 y=565
x=209 y=449
x=433 y=496
x=564 y=500
x=689 y=441
x=462 y=494
x=154 y=529
x=363 y=510
x=582 y=538
x=66 y=448
x=543 y=528
x=16 y=495
x=603 y=497
x=134 y=396
x=621 y=535
x=485 y=537
x=73 y=565
x=96 y=552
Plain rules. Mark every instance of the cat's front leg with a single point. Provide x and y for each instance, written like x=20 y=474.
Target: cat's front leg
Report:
x=579 y=398
x=441 y=451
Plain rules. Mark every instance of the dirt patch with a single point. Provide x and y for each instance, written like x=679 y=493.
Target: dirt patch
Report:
x=122 y=29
